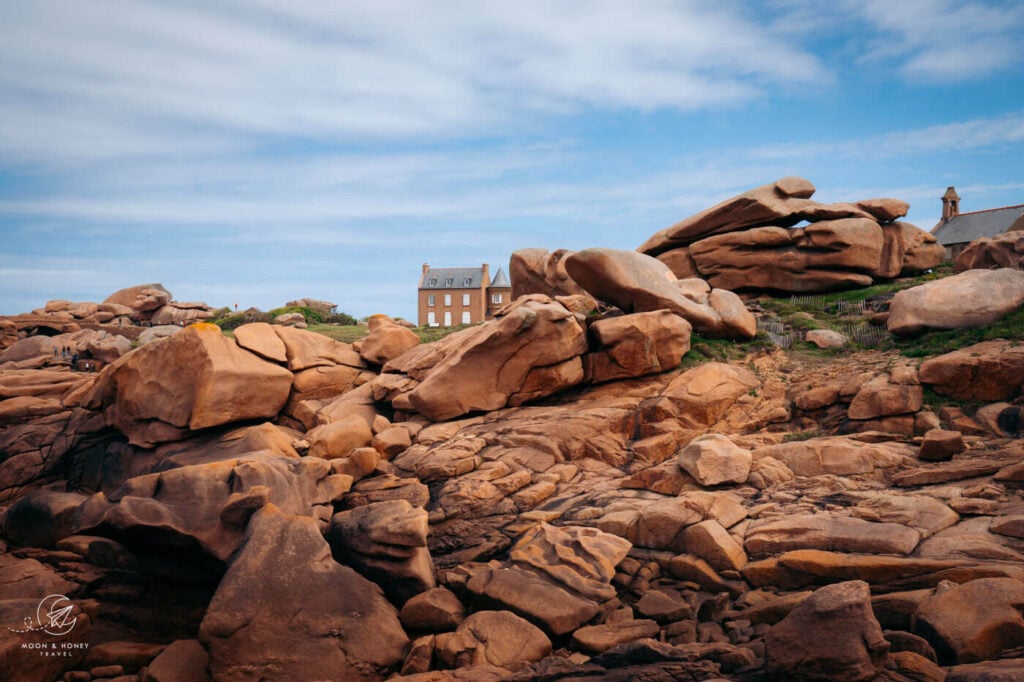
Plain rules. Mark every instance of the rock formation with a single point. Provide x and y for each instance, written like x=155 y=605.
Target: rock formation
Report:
x=754 y=242
x=548 y=495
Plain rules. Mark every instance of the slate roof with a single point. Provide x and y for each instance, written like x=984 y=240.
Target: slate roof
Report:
x=460 y=278
x=501 y=281
x=967 y=227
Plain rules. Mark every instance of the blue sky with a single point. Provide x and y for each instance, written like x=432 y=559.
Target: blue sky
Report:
x=257 y=151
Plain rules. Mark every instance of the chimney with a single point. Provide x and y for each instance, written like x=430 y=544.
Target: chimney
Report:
x=950 y=204
x=486 y=279
x=426 y=266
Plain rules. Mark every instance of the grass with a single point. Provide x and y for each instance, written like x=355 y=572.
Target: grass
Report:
x=703 y=349
x=936 y=343
x=350 y=333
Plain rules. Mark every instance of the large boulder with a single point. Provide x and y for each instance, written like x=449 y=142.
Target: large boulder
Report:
x=990 y=371
x=637 y=283
x=387 y=340
x=181 y=313
x=975 y=298
x=820 y=257
x=207 y=506
x=713 y=459
x=143 y=299
x=635 y=345
x=339 y=625
x=1001 y=251
x=386 y=542
x=533 y=350
x=830 y=635
x=192 y=380
x=777 y=203
x=498 y=638
x=537 y=271
x=974 y=621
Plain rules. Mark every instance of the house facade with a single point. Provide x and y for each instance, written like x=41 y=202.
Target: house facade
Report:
x=955 y=230
x=448 y=297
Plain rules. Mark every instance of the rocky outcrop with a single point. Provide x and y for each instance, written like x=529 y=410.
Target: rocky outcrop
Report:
x=339 y=624
x=636 y=283
x=830 y=635
x=1001 y=251
x=975 y=298
x=531 y=351
x=991 y=370
x=192 y=380
x=749 y=242
x=387 y=340
x=537 y=271
x=636 y=345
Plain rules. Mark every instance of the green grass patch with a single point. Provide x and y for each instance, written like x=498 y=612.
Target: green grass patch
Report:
x=703 y=349
x=345 y=333
x=939 y=342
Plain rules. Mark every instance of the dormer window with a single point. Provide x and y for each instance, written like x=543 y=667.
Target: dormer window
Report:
x=433 y=281
x=448 y=282
x=467 y=282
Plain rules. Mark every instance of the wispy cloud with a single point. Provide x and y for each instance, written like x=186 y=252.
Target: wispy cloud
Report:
x=945 y=40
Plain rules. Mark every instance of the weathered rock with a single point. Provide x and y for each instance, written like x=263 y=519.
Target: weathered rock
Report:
x=209 y=505
x=179 y=313
x=340 y=624
x=499 y=638
x=182 y=661
x=704 y=394
x=713 y=459
x=436 y=610
x=823 y=256
x=1011 y=526
x=637 y=283
x=339 y=438
x=260 y=338
x=988 y=671
x=974 y=621
x=531 y=351
x=882 y=397
x=320 y=306
x=636 y=345
x=837 y=455
x=142 y=299
x=537 y=271
x=192 y=380
x=830 y=635
x=1000 y=251
x=924 y=513
x=543 y=601
x=581 y=559
x=305 y=350
x=22 y=578
x=821 y=531
x=711 y=542
x=386 y=542
x=596 y=639
x=778 y=203
x=826 y=338
x=939 y=445
x=975 y=298
x=990 y=370
x=295 y=320
x=42 y=517
x=387 y=340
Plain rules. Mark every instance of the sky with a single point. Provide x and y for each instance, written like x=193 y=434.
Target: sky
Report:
x=260 y=151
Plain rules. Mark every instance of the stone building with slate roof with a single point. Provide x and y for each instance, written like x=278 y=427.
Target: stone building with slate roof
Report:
x=956 y=230
x=454 y=296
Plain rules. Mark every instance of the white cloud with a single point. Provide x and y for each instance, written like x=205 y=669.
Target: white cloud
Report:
x=944 y=40
x=130 y=76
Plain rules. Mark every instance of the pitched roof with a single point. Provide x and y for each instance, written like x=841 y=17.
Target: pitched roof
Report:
x=967 y=227
x=453 y=278
x=500 y=281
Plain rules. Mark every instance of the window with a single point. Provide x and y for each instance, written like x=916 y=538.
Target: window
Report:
x=465 y=299
x=431 y=319
x=467 y=282
x=447 y=299
x=448 y=319
x=449 y=281
x=433 y=281
x=431 y=299
x=465 y=317
x=495 y=298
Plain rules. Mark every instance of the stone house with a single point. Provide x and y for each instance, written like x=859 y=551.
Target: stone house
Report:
x=455 y=296
x=955 y=230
